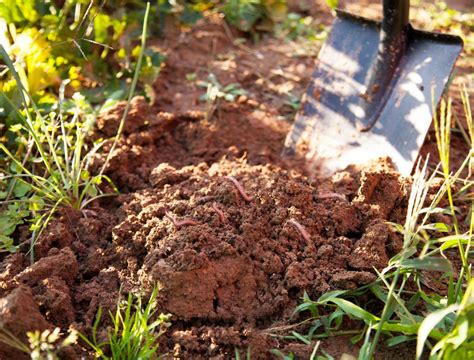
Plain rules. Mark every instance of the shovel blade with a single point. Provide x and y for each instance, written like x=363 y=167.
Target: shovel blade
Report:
x=326 y=129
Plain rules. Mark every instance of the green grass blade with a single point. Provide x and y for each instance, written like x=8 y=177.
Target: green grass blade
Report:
x=428 y=263
x=429 y=324
x=132 y=89
x=31 y=128
x=354 y=310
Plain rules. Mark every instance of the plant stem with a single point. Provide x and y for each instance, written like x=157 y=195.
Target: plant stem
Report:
x=131 y=92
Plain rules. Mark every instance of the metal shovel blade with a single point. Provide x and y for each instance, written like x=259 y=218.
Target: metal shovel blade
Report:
x=330 y=128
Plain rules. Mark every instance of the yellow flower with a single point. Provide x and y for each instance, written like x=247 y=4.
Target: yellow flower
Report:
x=32 y=51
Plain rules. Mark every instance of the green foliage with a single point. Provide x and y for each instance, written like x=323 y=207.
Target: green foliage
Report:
x=46 y=345
x=19 y=11
x=332 y=3
x=90 y=43
x=134 y=333
x=10 y=218
x=251 y=15
x=55 y=170
x=458 y=340
x=281 y=355
x=248 y=354
x=216 y=92
x=56 y=165
x=296 y=27
x=313 y=356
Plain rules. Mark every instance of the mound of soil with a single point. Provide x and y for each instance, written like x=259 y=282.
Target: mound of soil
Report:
x=233 y=244
x=243 y=257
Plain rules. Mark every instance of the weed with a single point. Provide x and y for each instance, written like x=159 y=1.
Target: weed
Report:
x=436 y=16
x=134 y=334
x=294 y=102
x=313 y=355
x=254 y=15
x=99 y=37
x=248 y=355
x=10 y=218
x=191 y=76
x=44 y=345
x=216 y=92
x=332 y=3
x=297 y=27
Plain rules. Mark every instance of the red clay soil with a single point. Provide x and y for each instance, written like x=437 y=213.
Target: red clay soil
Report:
x=233 y=234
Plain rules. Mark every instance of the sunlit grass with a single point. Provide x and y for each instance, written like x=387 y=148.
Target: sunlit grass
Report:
x=134 y=333
x=55 y=170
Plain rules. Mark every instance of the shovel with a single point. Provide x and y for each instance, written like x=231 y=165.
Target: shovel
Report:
x=373 y=92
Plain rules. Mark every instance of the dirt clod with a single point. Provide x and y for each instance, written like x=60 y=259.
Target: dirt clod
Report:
x=18 y=315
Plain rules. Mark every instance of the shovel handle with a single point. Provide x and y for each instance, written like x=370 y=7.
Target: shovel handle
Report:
x=396 y=17
x=392 y=46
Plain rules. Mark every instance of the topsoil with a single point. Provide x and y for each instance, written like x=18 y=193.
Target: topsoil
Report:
x=233 y=234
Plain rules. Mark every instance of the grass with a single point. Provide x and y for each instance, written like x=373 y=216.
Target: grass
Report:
x=133 y=334
x=55 y=170
x=441 y=324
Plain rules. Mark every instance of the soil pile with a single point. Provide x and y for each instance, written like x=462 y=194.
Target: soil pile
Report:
x=233 y=245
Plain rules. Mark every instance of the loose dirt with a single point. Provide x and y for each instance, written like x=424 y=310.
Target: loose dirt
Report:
x=233 y=234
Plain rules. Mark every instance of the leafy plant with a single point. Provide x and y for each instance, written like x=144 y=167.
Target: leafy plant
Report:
x=332 y=3
x=45 y=345
x=296 y=27
x=248 y=355
x=216 y=92
x=10 y=218
x=55 y=171
x=313 y=355
x=100 y=41
x=457 y=341
x=134 y=334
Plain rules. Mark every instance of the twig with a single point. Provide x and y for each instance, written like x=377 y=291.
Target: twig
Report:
x=178 y=224
x=240 y=188
x=301 y=229
x=219 y=212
